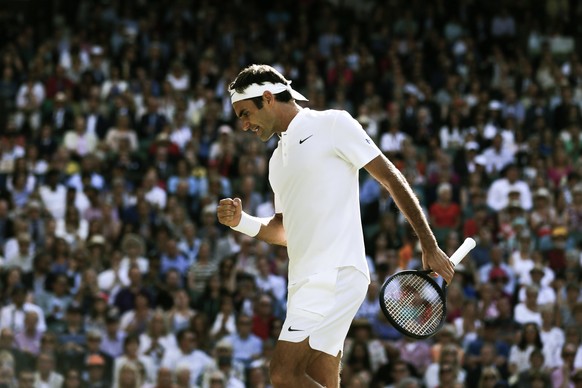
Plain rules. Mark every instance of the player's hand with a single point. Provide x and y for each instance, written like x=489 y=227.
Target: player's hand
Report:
x=437 y=261
x=229 y=211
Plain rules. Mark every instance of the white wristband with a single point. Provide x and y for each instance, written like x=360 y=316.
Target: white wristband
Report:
x=248 y=225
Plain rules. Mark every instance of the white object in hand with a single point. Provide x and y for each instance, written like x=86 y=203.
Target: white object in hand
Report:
x=460 y=253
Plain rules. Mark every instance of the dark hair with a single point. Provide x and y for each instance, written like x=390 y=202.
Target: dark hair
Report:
x=129 y=339
x=259 y=74
x=181 y=333
x=354 y=359
x=538 y=340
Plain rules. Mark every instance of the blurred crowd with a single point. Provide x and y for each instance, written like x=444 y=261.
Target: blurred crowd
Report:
x=118 y=138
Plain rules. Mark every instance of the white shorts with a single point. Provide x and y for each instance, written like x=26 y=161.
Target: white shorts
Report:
x=322 y=307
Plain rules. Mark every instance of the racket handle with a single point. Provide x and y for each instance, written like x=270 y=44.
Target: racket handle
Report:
x=462 y=251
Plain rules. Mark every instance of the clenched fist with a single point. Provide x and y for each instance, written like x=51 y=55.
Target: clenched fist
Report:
x=229 y=211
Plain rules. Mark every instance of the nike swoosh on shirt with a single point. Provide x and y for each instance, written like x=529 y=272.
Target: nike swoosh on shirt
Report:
x=301 y=141
x=290 y=329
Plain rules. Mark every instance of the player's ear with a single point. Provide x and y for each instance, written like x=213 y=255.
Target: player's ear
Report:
x=268 y=97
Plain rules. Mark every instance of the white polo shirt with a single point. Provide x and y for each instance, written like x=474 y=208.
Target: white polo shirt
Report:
x=314 y=176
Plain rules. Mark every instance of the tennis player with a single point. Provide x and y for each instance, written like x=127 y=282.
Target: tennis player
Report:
x=314 y=176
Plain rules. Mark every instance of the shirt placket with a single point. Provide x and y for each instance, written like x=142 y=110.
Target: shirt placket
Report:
x=285 y=148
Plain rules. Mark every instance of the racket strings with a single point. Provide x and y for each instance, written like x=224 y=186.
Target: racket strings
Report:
x=414 y=304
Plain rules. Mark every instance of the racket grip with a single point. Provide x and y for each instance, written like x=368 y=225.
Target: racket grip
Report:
x=462 y=251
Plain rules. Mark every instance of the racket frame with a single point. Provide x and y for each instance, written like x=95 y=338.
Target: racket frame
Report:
x=442 y=292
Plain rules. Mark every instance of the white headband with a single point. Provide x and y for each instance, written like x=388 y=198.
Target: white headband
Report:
x=256 y=90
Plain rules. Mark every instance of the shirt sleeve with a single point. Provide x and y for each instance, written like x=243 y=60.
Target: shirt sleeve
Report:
x=351 y=142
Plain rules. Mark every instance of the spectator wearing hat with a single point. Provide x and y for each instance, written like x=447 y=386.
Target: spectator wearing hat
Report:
x=498 y=271
x=233 y=371
x=93 y=351
x=97 y=376
x=498 y=193
x=466 y=162
x=98 y=66
x=13 y=315
x=113 y=337
x=555 y=254
x=539 y=260
x=546 y=294
x=97 y=250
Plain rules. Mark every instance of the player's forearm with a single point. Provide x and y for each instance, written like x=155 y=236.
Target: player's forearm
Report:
x=407 y=202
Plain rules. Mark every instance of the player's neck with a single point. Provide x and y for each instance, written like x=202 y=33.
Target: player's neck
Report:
x=287 y=113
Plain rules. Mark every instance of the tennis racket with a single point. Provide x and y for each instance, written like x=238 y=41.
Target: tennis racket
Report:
x=414 y=303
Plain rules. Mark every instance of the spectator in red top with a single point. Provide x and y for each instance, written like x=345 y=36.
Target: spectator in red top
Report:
x=263 y=316
x=445 y=215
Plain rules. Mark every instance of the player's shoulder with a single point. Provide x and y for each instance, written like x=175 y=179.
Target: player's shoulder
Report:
x=333 y=119
x=330 y=114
